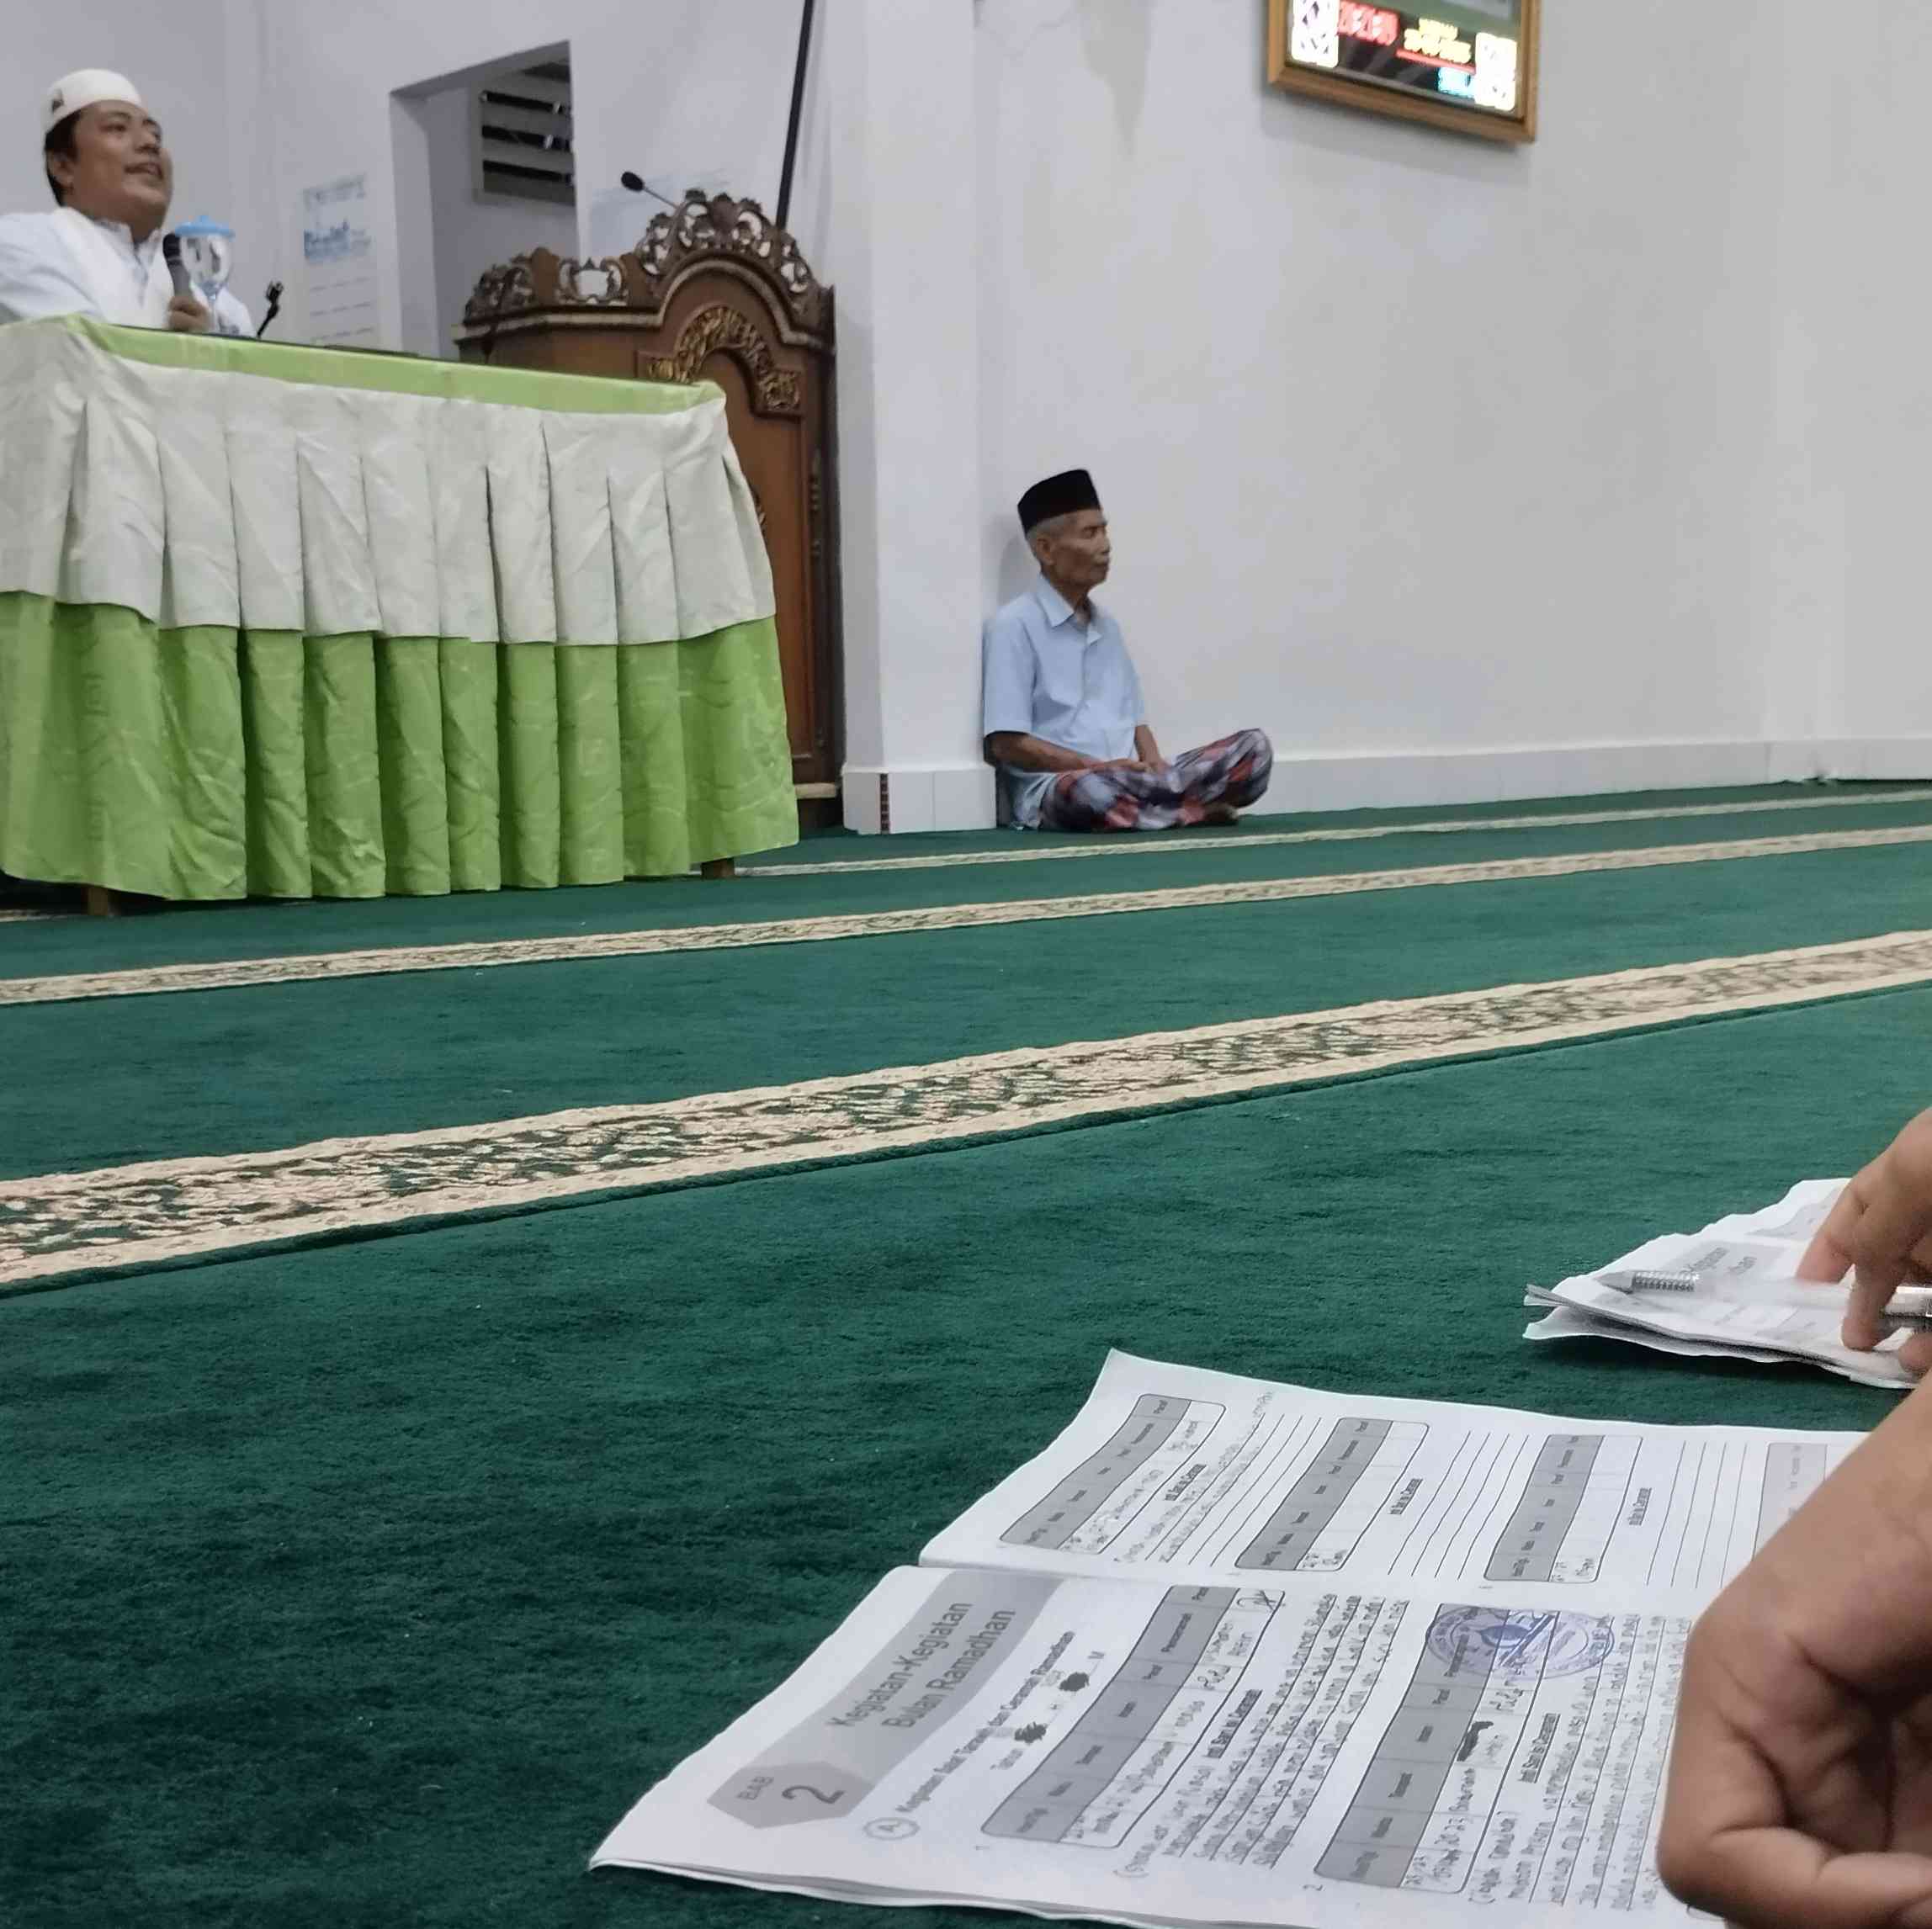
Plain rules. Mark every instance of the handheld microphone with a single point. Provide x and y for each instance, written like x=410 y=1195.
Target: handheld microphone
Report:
x=274 y=299
x=171 y=253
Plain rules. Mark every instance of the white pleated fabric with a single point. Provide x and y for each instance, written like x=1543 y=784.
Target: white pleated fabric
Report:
x=197 y=496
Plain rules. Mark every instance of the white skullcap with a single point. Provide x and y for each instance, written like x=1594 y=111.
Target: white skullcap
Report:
x=86 y=87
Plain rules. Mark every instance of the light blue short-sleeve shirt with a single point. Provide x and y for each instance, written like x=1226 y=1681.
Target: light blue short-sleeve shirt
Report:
x=1053 y=676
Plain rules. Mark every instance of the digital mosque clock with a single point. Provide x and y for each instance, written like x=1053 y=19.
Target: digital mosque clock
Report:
x=1466 y=65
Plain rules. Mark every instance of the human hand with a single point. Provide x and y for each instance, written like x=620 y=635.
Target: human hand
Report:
x=1801 y=1776
x=1881 y=1230
x=188 y=316
x=1120 y=764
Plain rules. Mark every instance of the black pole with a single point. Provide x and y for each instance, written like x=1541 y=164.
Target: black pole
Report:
x=798 y=111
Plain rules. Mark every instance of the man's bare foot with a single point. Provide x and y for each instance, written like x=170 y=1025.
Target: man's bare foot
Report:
x=1221 y=813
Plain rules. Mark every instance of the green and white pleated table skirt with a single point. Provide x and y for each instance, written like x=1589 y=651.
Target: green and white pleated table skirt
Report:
x=296 y=622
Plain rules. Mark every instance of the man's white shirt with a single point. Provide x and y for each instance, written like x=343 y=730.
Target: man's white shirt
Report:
x=63 y=262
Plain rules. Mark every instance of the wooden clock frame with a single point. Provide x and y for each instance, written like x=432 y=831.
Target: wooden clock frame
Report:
x=1355 y=90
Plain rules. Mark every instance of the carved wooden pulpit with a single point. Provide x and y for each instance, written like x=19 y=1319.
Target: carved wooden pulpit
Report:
x=715 y=291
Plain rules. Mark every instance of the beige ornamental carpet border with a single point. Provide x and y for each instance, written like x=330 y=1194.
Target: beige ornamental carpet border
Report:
x=239 y=973
x=179 y=1210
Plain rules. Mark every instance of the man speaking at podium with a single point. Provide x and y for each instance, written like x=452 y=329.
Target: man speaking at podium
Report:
x=99 y=253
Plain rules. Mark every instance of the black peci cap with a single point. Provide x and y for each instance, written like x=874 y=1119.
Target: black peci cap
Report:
x=1064 y=494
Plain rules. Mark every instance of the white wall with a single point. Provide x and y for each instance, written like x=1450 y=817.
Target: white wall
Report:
x=163 y=51
x=1415 y=446
x=1799 y=593
x=1866 y=290
x=657 y=87
x=902 y=203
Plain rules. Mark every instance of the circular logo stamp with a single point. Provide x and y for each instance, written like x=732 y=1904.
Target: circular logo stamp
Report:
x=891 y=1828
x=1500 y=1640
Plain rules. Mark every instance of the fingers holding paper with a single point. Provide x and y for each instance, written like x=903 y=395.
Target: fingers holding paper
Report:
x=1881 y=1232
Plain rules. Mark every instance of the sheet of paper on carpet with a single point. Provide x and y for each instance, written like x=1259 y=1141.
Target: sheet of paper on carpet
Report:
x=1236 y=1652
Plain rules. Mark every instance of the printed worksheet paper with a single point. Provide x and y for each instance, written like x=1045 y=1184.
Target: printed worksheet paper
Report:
x=1236 y=1652
x=1745 y=1264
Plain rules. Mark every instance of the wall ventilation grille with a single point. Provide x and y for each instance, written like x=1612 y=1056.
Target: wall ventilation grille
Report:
x=521 y=133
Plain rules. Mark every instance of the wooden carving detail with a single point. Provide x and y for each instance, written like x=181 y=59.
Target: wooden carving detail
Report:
x=775 y=391
x=701 y=229
x=700 y=233
x=543 y=280
x=592 y=284
x=503 y=290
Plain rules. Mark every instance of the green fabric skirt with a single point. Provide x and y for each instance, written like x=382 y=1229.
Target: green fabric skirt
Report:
x=210 y=763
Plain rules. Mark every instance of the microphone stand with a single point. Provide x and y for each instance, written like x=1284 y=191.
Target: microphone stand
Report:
x=798 y=111
x=489 y=343
x=638 y=185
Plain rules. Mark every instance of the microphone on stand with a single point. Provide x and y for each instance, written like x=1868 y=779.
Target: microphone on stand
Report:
x=639 y=185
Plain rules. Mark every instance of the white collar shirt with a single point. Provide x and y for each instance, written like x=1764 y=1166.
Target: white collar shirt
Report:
x=64 y=262
x=1049 y=675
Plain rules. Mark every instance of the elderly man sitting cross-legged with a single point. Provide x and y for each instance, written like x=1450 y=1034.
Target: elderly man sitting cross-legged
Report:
x=1065 y=723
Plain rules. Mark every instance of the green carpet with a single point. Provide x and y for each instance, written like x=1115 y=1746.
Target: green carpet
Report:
x=834 y=846
x=219 y=1072
x=1169 y=860
x=369 y=1585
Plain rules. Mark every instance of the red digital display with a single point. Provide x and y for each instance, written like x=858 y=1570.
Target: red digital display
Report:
x=1375 y=24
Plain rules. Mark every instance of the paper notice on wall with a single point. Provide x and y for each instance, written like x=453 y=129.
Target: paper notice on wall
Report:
x=338 y=261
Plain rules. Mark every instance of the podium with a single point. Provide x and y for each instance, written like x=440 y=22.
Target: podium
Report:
x=287 y=622
x=715 y=292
